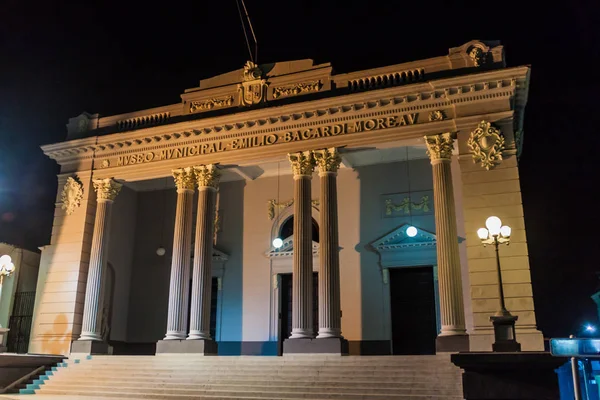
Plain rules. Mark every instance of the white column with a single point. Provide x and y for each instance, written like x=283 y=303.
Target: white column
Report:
x=302 y=318
x=106 y=192
x=180 y=265
x=328 y=162
x=449 y=275
x=207 y=178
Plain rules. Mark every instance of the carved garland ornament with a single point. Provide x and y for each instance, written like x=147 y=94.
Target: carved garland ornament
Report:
x=207 y=175
x=406 y=205
x=272 y=204
x=72 y=194
x=210 y=104
x=303 y=163
x=106 y=189
x=439 y=147
x=327 y=160
x=486 y=143
x=296 y=89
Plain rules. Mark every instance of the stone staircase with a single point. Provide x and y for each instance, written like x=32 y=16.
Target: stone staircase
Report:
x=246 y=377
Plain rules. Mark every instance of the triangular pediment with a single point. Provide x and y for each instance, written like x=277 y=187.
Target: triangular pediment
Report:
x=219 y=255
x=287 y=249
x=399 y=239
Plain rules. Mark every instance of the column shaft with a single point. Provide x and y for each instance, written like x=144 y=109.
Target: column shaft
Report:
x=180 y=264
x=203 y=253
x=302 y=290
x=106 y=190
x=328 y=162
x=452 y=313
x=90 y=329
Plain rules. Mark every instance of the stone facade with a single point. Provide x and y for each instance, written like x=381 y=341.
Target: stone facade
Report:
x=431 y=144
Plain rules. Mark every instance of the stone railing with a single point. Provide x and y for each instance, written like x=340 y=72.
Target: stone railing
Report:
x=143 y=121
x=387 y=80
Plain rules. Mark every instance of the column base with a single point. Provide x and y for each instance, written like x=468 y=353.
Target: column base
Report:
x=204 y=347
x=90 y=347
x=3 y=349
x=452 y=343
x=316 y=346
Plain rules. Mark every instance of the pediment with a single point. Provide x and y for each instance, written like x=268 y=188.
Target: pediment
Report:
x=287 y=249
x=219 y=255
x=398 y=239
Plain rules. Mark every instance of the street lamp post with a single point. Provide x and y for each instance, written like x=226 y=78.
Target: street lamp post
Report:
x=503 y=321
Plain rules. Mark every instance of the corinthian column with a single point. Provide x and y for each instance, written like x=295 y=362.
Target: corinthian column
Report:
x=106 y=192
x=180 y=264
x=452 y=314
x=303 y=165
x=207 y=178
x=328 y=162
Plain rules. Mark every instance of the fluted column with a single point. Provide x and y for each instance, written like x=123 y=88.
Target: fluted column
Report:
x=328 y=162
x=207 y=178
x=302 y=319
x=180 y=264
x=452 y=313
x=106 y=192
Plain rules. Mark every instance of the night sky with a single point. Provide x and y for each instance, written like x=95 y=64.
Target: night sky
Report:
x=58 y=59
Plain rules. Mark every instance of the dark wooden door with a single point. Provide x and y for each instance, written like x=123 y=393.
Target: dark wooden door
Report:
x=285 y=313
x=412 y=299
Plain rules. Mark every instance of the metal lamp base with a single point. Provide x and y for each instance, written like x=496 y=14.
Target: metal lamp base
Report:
x=504 y=334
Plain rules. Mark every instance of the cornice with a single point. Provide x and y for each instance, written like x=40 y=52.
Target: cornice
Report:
x=421 y=96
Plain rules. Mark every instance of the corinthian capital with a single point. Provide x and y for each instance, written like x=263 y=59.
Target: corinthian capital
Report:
x=207 y=175
x=184 y=178
x=327 y=160
x=439 y=147
x=303 y=163
x=106 y=189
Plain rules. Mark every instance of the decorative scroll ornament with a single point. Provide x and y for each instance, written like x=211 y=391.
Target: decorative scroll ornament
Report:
x=72 y=194
x=216 y=226
x=105 y=163
x=296 y=89
x=253 y=88
x=439 y=147
x=106 y=189
x=477 y=55
x=210 y=104
x=486 y=143
x=207 y=175
x=303 y=163
x=272 y=204
x=436 y=115
x=327 y=160
x=406 y=205
x=184 y=178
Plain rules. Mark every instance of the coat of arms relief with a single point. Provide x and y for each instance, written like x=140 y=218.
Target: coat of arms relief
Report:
x=253 y=88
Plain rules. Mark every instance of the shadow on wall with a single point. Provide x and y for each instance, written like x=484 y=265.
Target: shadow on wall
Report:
x=57 y=340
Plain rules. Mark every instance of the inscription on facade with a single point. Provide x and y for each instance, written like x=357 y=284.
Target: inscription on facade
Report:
x=344 y=128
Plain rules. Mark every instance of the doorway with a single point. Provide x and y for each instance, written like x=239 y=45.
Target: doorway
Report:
x=412 y=301
x=285 y=308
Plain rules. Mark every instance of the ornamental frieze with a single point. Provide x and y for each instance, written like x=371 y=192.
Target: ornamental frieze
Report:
x=205 y=105
x=486 y=144
x=296 y=89
x=289 y=136
x=273 y=204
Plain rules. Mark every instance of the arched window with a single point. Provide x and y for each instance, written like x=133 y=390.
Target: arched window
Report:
x=287 y=229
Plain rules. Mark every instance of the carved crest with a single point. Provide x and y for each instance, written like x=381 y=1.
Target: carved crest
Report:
x=72 y=194
x=477 y=54
x=253 y=88
x=486 y=143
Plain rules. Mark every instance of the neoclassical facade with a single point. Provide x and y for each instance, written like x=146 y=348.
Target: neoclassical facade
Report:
x=284 y=208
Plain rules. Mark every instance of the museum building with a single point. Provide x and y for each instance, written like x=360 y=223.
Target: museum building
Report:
x=285 y=208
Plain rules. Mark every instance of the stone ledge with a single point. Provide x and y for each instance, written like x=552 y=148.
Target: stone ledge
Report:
x=205 y=347
x=316 y=346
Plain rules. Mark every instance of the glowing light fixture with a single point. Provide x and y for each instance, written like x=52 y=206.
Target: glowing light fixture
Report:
x=277 y=243
x=590 y=328
x=493 y=225
x=411 y=231
x=483 y=233
x=160 y=251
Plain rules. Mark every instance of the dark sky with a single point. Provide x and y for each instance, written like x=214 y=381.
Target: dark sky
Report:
x=58 y=59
